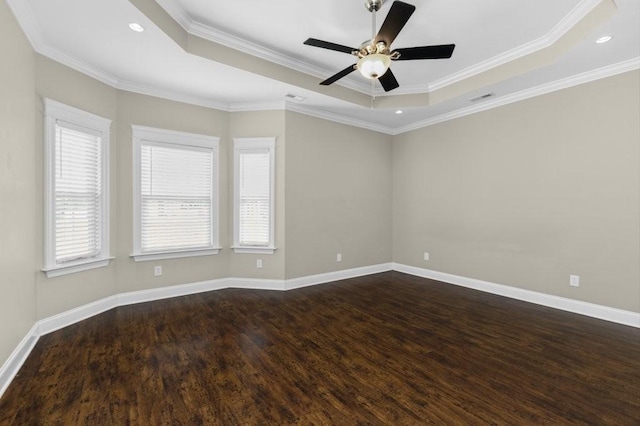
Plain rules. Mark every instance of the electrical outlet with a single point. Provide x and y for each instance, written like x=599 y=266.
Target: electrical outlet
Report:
x=426 y=256
x=259 y=263
x=574 y=280
x=157 y=271
x=339 y=257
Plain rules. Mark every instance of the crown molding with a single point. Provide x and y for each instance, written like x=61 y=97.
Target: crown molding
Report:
x=574 y=80
x=171 y=95
x=27 y=21
x=581 y=10
x=177 y=12
x=586 y=77
x=257 y=106
x=25 y=17
x=338 y=118
x=262 y=52
x=80 y=66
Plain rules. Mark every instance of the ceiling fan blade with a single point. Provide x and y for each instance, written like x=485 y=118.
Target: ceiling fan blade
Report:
x=388 y=81
x=442 y=51
x=328 y=45
x=339 y=75
x=396 y=19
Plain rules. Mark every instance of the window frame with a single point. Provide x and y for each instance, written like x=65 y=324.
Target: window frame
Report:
x=172 y=138
x=249 y=144
x=55 y=112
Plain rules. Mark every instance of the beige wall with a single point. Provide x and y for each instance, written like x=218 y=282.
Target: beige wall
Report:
x=522 y=195
x=55 y=295
x=155 y=112
x=528 y=193
x=338 y=192
x=62 y=84
x=260 y=124
x=18 y=212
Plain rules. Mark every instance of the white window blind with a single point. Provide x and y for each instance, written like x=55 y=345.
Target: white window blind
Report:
x=175 y=194
x=76 y=178
x=254 y=174
x=254 y=191
x=176 y=197
x=78 y=193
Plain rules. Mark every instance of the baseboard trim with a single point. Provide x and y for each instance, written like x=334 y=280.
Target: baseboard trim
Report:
x=256 y=284
x=80 y=313
x=19 y=355
x=310 y=280
x=570 y=305
x=48 y=325
x=72 y=316
x=159 y=293
x=12 y=365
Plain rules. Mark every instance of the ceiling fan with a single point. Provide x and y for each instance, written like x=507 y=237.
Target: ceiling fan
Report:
x=375 y=55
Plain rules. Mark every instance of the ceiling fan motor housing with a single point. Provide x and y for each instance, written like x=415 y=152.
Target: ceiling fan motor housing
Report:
x=372 y=5
x=368 y=48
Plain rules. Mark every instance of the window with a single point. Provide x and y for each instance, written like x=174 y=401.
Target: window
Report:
x=254 y=170
x=76 y=157
x=176 y=194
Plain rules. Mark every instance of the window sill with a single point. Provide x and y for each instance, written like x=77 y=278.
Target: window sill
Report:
x=79 y=266
x=145 y=257
x=253 y=250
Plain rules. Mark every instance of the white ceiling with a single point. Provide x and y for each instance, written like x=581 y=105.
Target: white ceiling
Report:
x=93 y=36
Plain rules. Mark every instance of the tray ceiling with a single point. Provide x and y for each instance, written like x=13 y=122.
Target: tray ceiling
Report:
x=249 y=54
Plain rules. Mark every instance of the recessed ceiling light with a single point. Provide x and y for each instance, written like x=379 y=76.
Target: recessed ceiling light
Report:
x=604 y=39
x=136 y=27
x=399 y=111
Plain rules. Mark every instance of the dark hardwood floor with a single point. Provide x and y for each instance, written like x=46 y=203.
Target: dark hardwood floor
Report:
x=383 y=349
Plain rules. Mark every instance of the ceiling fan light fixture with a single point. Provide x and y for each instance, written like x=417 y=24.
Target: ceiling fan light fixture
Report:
x=373 y=66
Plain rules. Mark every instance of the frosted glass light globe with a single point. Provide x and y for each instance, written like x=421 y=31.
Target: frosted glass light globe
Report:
x=373 y=66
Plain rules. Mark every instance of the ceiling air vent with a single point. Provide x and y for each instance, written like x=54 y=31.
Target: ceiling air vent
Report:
x=483 y=97
x=295 y=97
